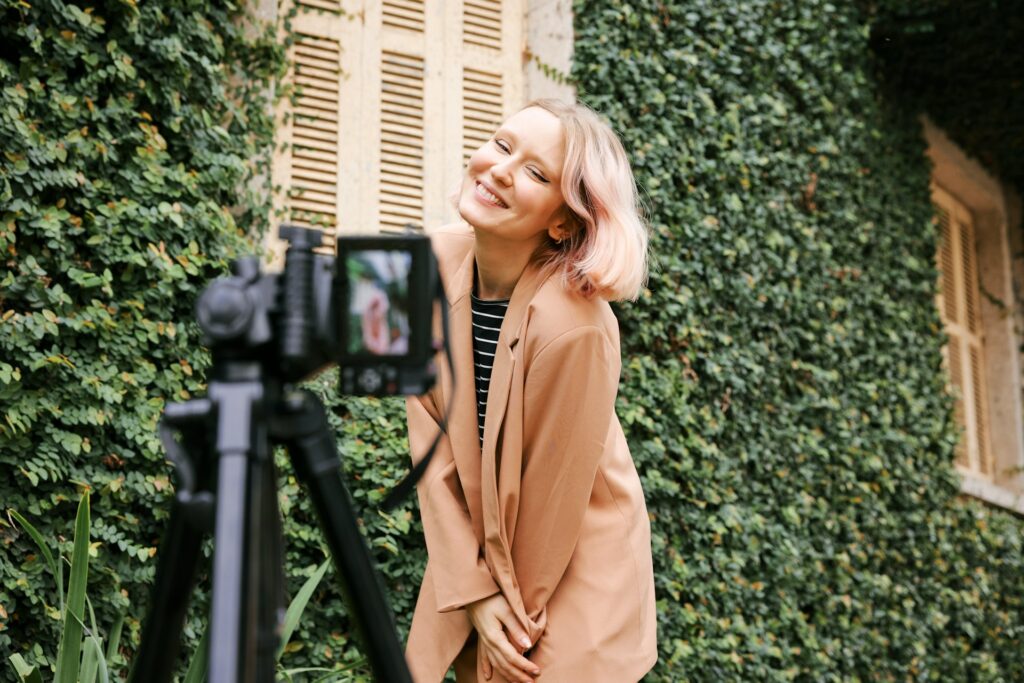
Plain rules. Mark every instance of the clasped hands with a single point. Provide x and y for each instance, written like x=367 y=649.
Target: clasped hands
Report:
x=501 y=639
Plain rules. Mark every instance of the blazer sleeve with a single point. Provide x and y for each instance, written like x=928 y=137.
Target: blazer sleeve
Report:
x=569 y=404
x=460 y=573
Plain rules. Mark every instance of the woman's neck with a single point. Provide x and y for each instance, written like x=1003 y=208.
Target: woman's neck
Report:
x=499 y=265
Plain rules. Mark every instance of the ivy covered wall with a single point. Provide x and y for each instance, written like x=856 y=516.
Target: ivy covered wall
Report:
x=781 y=386
x=131 y=140
x=783 y=389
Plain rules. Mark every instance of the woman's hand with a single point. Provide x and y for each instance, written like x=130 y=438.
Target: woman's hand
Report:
x=491 y=617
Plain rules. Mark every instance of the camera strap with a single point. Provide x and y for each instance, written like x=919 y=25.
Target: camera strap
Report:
x=405 y=487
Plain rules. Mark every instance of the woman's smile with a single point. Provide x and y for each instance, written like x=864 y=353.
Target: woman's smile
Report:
x=484 y=193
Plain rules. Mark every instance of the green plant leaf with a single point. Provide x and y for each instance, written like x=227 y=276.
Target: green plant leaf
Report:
x=200 y=660
x=89 y=663
x=58 y=575
x=298 y=605
x=93 y=650
x=27 y=673
x=71 y=639
x=114 y=639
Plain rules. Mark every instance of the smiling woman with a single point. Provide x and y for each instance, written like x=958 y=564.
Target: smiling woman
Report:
x=511 y=195
x=537 y=533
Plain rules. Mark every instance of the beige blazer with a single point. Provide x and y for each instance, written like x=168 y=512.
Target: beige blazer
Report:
x=551 y=512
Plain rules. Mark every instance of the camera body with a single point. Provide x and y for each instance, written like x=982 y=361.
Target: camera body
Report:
x=385 y=287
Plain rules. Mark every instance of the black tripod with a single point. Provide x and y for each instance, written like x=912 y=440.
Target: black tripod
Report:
x=263 y=332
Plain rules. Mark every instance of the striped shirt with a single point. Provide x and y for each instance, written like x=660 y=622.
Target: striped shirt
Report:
x=487 y=317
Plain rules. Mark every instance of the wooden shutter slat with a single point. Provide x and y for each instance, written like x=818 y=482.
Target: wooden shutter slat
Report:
x=333 y=6
x=316 y=49
x=307 y=152
x=319 y=74
x=309 y=110
x=306 y=139
x=317 y=165
x=316 y=123
x=403 y=23
x=402 y=133
x=407 y=5
x=309 y=173
x=316 y=88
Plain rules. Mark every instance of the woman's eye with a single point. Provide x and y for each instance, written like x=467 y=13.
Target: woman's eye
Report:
x=502 y=146
x=538 y=175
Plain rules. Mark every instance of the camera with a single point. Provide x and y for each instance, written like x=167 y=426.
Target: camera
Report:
x=369 y=308
x=385 y=287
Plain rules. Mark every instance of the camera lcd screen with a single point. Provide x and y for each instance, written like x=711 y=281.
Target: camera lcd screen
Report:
x=378 y=302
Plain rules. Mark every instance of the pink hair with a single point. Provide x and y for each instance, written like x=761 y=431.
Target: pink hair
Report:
x=605 y=250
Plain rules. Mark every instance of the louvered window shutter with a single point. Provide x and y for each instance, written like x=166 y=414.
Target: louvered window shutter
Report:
x=959 y=306
x=401 y=139
x=306 y=162
x=401 y=59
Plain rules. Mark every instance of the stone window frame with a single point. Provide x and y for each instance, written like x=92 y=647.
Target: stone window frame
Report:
x=999 y=243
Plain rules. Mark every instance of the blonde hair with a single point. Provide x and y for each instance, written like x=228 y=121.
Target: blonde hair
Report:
x=605 y=250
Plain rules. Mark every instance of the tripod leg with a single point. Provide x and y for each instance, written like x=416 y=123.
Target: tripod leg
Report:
x=265 y=594
x=305 y=432
x=226 y=613
x=243 y=452
x=157 y=655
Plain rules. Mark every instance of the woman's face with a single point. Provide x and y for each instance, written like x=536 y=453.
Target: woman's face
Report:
x=512 y=186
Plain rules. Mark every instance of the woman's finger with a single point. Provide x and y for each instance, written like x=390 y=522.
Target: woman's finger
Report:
x=485 y=661
x=511 y=657
x=516 y=632
x=499 y=664
x=499 y=660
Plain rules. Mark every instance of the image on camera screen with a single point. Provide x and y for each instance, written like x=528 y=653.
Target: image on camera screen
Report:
x=378 y=306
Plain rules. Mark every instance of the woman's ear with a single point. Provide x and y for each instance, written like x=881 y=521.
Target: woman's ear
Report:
x=560 y=228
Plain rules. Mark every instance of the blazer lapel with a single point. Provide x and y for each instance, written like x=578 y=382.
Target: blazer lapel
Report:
x=462 y=423
x=504 y=360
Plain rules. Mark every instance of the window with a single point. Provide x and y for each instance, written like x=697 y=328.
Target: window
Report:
x=979 y=301
x=390 y=98
x=964 y=354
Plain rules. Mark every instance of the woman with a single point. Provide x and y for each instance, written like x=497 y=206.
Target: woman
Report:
x=537 y=534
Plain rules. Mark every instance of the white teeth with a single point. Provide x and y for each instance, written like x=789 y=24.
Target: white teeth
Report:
x=489 y=196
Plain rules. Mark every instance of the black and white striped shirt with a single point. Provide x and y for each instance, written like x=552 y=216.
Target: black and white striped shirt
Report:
x=487 y=317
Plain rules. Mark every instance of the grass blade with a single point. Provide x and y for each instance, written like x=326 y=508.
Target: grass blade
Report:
x=298 y=605
x=200 y=660
x=58 y=575
x=93 y=643
x=114 y=639
x=71 y=639
x=89 y=663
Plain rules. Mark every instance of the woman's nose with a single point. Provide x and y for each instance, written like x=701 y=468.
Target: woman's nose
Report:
x=502 y=173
